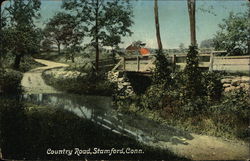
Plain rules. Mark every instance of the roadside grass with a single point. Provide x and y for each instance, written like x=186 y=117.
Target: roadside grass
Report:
x=28 y=130
x=228 y=119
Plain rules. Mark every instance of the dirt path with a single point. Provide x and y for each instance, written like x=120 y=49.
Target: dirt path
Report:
x=33 y=82
x=203 y=147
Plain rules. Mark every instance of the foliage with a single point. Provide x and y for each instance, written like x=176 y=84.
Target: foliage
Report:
x=21 y=37
x=233 y=35
x=193 y=85
x=105 y=21
x=10 y=81
x=46 y=45
x=208 y=43
x=162 y=72
x=211 y=83
x=63 y=29
x=181 y=47
x=152 y=99
x=12 y=120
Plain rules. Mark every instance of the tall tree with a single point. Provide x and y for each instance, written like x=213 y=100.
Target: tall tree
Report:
x=105 y=20
x=157 y=25
x=191 y=12
x=193 y=75
x=1 y=34
x=63 y=29
x=22 y=36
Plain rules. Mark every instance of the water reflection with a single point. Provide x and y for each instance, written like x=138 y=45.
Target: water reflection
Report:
x=99 y=110
x=95 y=108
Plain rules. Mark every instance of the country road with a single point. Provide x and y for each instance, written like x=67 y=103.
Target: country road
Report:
x=33 y=82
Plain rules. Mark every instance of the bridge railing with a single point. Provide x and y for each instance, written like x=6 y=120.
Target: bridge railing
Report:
x=207 y=61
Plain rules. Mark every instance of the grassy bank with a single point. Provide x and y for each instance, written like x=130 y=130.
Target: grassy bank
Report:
x=27 y=131
x=220 y=121
x=77 y=81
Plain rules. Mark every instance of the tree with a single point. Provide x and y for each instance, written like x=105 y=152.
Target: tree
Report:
x=233 y=35
x=181 y=47
x=1 y=46
x=22 y=37
x=63 y=29
x=157 y=26
x=191 y=12
x=208 y=43
x=193 y=74
x=46 y=45
x=105 y=20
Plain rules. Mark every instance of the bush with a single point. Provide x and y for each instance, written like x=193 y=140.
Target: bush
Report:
x=162 y=71
x=212 y=85
x=10 y=81
x=193 y=87
x=152 y=99
x=12 y=120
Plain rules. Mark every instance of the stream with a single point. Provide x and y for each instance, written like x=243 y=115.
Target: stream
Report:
x=99 y=110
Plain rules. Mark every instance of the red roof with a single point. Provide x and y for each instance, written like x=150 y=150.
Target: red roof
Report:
x=144 y=51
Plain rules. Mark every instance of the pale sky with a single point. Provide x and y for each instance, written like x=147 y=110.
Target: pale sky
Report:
x=174 y=20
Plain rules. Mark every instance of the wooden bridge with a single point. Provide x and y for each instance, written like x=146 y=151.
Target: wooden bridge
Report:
x=146 y=64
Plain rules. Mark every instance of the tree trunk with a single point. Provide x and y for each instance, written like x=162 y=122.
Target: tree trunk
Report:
x=72 y=58
x=59 y=48
x=157 y=26
x=1 y=42
x=97 y=36
x=191 y=12
x=17 y=61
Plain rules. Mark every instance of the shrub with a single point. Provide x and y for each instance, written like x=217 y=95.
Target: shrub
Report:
x=162 y=72
x=193 y=87
x=12 y=131
x=10 y=81
x=152 y=99
x=212 y=85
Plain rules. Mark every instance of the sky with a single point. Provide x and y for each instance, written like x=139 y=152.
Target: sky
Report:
x=173 y=16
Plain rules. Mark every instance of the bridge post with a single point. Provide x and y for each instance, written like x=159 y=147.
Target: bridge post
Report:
x=138 y=63
x=211 y=62
x=124 y=63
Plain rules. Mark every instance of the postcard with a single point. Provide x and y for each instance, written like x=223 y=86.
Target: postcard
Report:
x=124 y=80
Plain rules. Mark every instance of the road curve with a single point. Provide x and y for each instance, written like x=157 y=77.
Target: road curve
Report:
x=33 y=82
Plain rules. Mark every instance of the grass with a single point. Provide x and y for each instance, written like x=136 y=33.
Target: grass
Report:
x=227 y=119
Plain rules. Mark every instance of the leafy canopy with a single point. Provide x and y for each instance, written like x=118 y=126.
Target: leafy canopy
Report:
x=104 y=20
x=20 y=35
x=233 y=35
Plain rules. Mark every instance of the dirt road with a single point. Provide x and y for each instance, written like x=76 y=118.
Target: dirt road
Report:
x=203 y=147
x=33 y=82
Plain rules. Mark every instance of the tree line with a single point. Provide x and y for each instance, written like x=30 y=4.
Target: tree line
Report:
x=103 y=22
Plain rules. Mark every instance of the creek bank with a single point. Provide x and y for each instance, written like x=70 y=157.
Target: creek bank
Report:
x=77 y=82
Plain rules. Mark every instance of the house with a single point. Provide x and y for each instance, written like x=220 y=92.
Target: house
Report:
x=137 y=49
